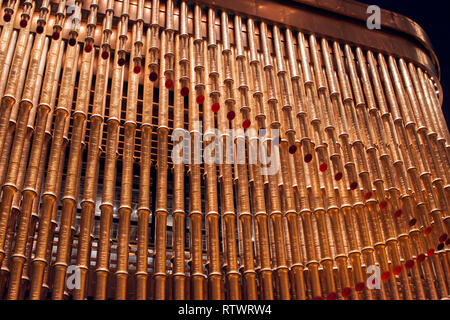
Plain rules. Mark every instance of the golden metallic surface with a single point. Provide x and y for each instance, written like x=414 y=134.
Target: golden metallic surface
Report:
x=309 y=164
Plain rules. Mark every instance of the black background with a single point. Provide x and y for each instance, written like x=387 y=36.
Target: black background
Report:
x=434 y=17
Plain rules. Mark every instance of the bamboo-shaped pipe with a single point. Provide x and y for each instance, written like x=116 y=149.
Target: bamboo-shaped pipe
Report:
x=50 y=193
x=212 y=212
x=7 y=102
x=125 y=209
x=240 y=140
x=109 y=180
x=144 y=185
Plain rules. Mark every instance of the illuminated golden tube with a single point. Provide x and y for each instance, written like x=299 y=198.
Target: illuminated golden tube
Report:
x=109 y=180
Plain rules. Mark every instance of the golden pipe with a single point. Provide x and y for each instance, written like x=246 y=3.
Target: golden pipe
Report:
x=7 y=102
x=127 y=181
x=144 y=185
x=49 y=197
x=165 y=84
x=212 y=213
x=228 y=215
x=179 y=215
x=196 y=98
x=243 y=123
x=109 y=181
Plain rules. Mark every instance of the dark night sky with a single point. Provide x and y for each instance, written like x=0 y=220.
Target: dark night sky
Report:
x=433 y=16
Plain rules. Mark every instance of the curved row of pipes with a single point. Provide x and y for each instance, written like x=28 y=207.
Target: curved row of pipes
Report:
x=363 y=175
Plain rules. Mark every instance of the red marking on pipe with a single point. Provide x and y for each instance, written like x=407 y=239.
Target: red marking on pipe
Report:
x=323 y=167
x=346 y=292
x=23 y=23
x=383 y=204
x=55 y=35
x=428 y=230
x=215 y=107
x=105 y=55
x=430 y=252
x=385 y=275
x=153 y=76
x=308 y=157
x=169 y=84
x=88 y=48
x=443 y=237
x=246 y=124
x=184 y=91
x=332 y=296
x=412 y=222
x=231 y=115
x=200 y=99
x=440 y=246
x=137 y=69
x=398 y=213
x=397 y=270
x=420 y=258
x=7 y=17
x=338 y=176
x=292 y=149
x=409 y=264
x=121 y=62
x=360 y=286
x=39 y=29
x=318 y=298
x=353 y=185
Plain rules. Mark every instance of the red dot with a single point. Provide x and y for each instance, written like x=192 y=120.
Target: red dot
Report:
x=308 y=157
x=385 y=275
x=353 y=185
x=39 y=29
x=412 y=222
x=55 y=35
x=428 y=230
x=7 y=17
x=443 y=237
x=169 y=84
x=215 y=107
x=231 y=115
x=137 y=69
x=72 y=42
x=447 y=242
x=430 y=252
x=360 y=286
x=338 y=176
x=409 y=264
x=318 y=298
x=368 y=195
x=398 y=213
x=346 y=292
x=332 y=296
x=292 y=149
x=184 y=91
x=105 y=55
x=200 y=99
x=153 y=76
x=246 y=124
x=397 y=270
x=420 y=258
x=121 y=62
x=383 y=204
x=23 y=23
x=323 y=167
x=440 y=246
x=88 y=48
